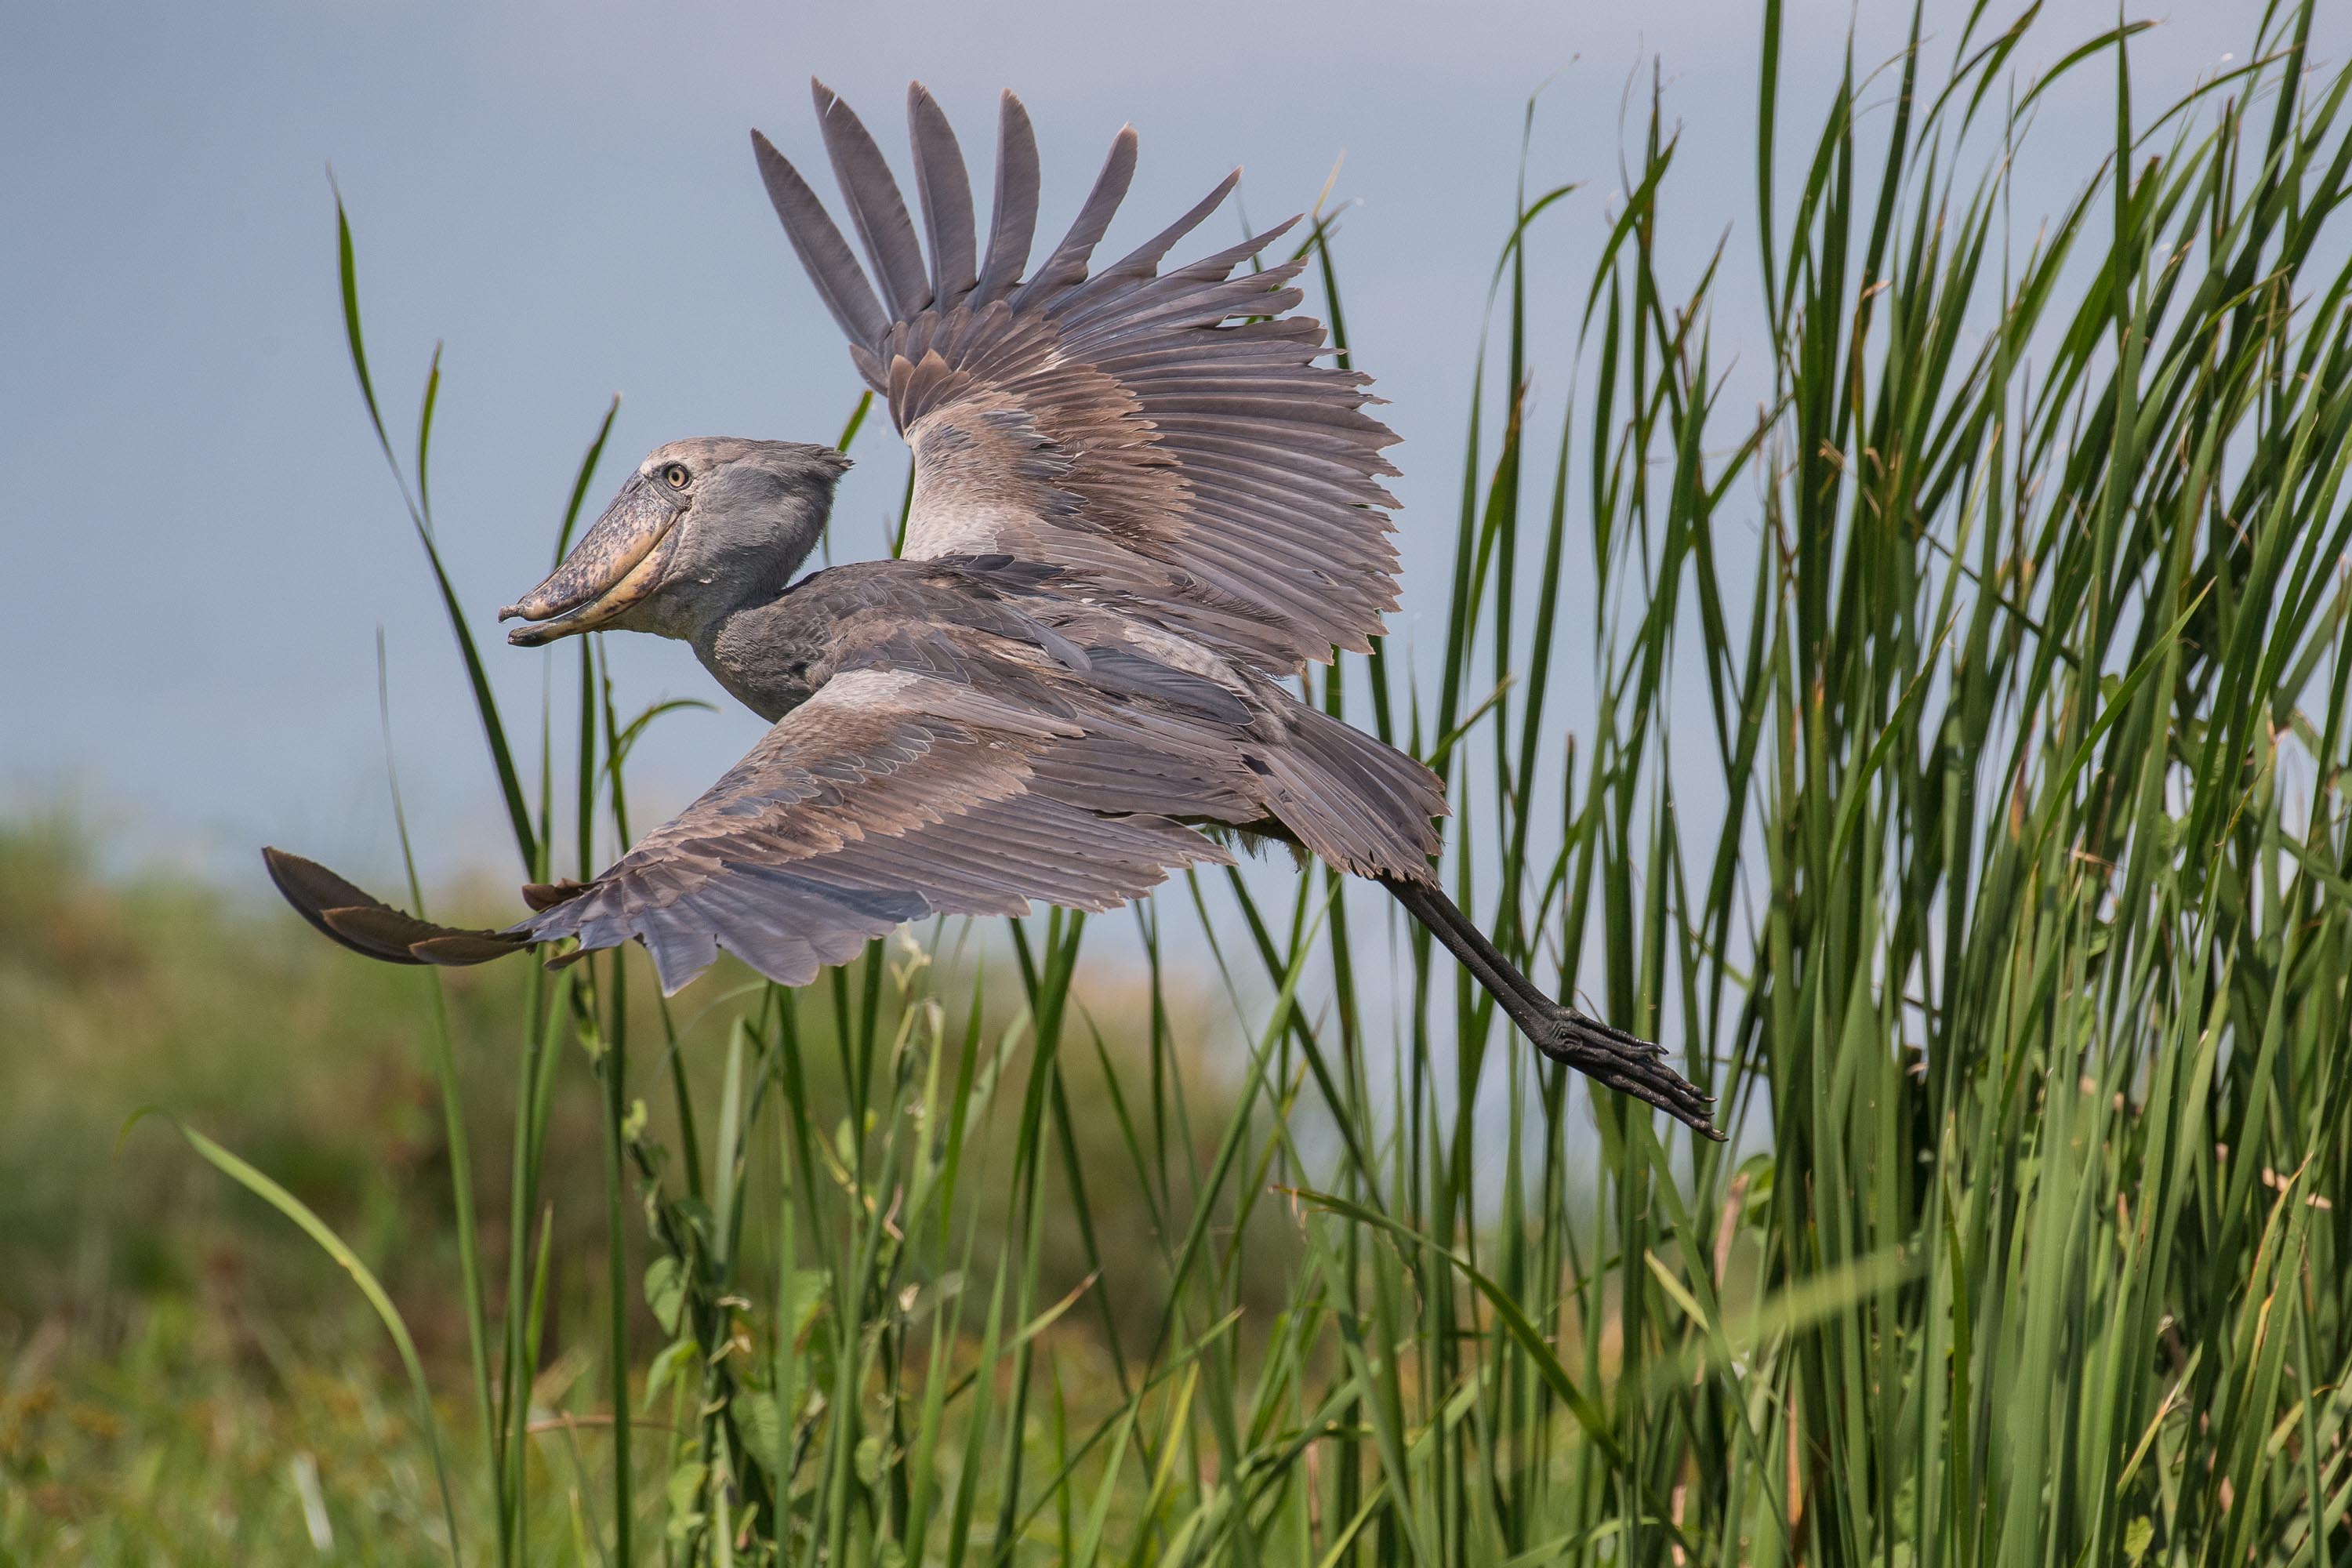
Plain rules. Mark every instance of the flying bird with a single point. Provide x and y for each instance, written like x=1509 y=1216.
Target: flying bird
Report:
x=1139 y=502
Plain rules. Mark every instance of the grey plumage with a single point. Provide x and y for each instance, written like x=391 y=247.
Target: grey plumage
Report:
x=840 y=282
x=876 y=207
x=945 y=191
x=1123 y=422
x=1013 y=222
x=1067 y=265
x=1139 y=501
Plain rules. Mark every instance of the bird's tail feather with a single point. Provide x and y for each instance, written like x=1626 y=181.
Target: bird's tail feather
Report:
x=1359 y=803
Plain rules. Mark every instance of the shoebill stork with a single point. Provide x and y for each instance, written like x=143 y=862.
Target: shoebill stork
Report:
x=1139 y=502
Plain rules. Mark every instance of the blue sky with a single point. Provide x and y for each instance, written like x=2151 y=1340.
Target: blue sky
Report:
x=199 y=531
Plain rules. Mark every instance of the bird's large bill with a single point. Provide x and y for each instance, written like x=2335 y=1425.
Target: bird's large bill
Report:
x=615 y=564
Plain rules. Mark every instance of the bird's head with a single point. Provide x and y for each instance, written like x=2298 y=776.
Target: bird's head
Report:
x=702 y=527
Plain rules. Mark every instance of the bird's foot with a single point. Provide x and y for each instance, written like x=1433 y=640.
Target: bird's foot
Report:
x=1625 y=1063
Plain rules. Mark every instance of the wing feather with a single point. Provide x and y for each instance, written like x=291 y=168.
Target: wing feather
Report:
x=1166 y=436
x=834 y=271
x=945 y=192
x=876 y=210
x=1013 y=224
x=1145 y=258
x=888 y=796
x=1066 y=268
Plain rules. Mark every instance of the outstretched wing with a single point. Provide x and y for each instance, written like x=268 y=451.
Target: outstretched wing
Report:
x=1163 y=436
x=887 y=796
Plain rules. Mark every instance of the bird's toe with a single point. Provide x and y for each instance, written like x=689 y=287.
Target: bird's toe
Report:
x=1628 y=1064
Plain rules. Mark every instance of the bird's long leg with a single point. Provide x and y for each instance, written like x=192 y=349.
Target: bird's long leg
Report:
x=1609 y=1056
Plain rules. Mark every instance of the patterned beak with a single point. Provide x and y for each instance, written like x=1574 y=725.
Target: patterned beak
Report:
x=616 y=563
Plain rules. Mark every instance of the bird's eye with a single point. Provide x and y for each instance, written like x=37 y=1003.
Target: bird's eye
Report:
x=675 y=475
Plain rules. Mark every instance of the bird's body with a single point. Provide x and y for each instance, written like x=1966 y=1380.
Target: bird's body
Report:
x=1093 y=740
x=1138 y=504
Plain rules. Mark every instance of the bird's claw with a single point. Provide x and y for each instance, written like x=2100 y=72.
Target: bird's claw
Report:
x=1625 y=1063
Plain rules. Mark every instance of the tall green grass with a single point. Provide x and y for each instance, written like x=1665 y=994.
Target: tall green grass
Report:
x=2009 y=917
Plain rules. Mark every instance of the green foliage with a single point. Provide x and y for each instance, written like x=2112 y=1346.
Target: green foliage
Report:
x=2015 y=943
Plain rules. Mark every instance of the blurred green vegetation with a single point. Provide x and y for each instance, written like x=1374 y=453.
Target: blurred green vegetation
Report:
x=172 y=1346
x=179 y=1367
x=156 y=989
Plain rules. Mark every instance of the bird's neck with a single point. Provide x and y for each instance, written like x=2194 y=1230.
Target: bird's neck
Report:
x=699 y=610
x=759 y=653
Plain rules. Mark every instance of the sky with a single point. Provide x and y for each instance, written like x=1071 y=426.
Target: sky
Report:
x=203 y=541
